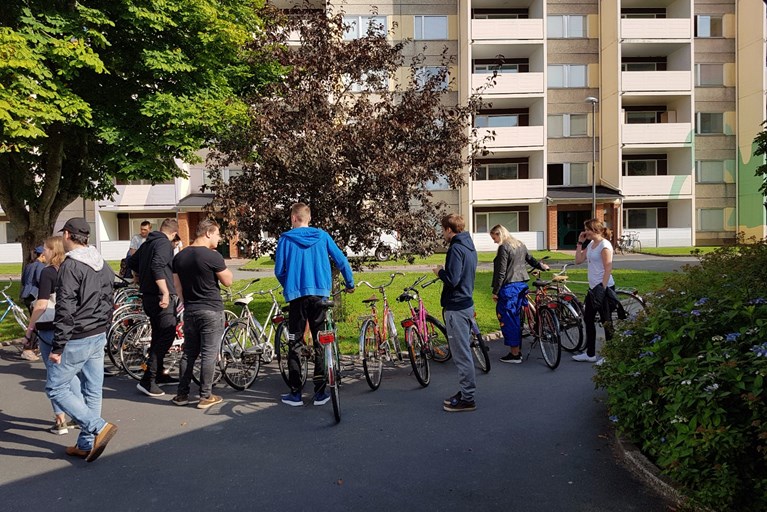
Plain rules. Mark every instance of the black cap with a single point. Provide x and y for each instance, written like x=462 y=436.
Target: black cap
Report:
x=77 y=226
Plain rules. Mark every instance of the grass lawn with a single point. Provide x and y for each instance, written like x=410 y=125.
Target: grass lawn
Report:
x=265 y=262
x=350 y=315
x=678 y=251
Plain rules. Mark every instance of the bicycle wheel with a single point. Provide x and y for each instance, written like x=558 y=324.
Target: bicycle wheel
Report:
x=548 y=330
x=480 y=350
x=241 y=358
x=134 y=347
x=396 y=347
x=632 y=305
x=570 y=325
x=218 y=373
x=116 y=332
x=21 y=317
x=416 y=351
x=281 y=349
x=333 y=381
x=372 y=363
x=440 y=349
x=637 y=246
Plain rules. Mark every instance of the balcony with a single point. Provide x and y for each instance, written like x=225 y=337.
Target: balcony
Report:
x=506 y=30
x=657 y=134
x=496 y=190
x=143 y=197
x=656 y=81
x=656 y=29
x=517 y=137
x=657 y=187
x=510 y=83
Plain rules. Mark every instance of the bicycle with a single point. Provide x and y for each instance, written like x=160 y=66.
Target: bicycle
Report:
x=378 y=340
x=11 y=307
x=542 y=323
x=629 y=242
x=478 y=347
x=247 y=343
x=630 y=307
x=425 y=336
x=329 y=341
x=569 y=312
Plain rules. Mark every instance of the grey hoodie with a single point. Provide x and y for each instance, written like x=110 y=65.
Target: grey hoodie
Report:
x=84 y=302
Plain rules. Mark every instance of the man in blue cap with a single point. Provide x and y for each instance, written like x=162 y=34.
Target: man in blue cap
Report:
x=30 y=282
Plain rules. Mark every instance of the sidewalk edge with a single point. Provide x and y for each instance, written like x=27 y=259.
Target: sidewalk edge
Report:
x=647 y=471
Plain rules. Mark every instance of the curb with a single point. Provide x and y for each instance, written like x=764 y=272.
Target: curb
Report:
x=8 y=343
x=646 y=471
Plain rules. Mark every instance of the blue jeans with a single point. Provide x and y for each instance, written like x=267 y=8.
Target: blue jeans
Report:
x=46 y=345
x=84 y=358
x=512 y=298
x=203 y=331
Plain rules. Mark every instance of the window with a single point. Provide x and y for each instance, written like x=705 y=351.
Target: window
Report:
x=561 y=27
x=708 y=26
x=567 y=125
x=709 y=123
x=643 y=66
x=430 y=27
x=640 y=218
x=499 y=68
x=486 y=220
x=360 y=26
x=496 y=121
x=372 y=81
x=567 y=75
x=9 y=232
x=438 y=184
x=648 y=117
x=500 y=171
x=425 y=73
x=710 y=219
x=709 y=75
x=640 y=167
x=709 y=171
x=226 y=175
x=135 y=223
x=568 y=174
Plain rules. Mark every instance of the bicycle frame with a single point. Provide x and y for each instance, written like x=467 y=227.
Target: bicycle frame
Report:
x=381 y=333
x=418 y=313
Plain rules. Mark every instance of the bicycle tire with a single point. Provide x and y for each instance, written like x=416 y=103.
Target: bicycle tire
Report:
x=372 y=363
x=115 y=333
x=218 y=369
x=281 y=350
x=240 y=356
x=416 y=351
x=134 y=348
x=637 y=246
x=20 y=316
x=333 y=381
x=632 y=304
x=396 y=344
x=570 y=326
x=438 y=346
x=548 y=331
x=480 y=350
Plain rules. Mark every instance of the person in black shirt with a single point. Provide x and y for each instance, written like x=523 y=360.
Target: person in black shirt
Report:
x=197 y=271
x=152 y=262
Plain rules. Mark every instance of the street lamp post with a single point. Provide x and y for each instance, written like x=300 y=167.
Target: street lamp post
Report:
x=593 y=101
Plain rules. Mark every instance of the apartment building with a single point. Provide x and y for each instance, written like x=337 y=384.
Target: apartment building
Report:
x=642 y=110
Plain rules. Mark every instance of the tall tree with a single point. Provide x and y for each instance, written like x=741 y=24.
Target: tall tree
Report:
x=118 y=90
x=354 y=131
x=761 y=149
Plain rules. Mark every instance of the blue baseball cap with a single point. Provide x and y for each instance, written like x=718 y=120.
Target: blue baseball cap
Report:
x=39 y=249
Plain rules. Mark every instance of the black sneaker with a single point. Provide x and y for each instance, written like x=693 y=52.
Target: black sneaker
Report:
x=512 y=358
x=152 y=390
x=164 y=379
x=452 y=400
x=460 y=406
x=180 y=400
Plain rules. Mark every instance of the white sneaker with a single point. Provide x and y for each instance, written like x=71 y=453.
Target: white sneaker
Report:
x=584 y=358
x=600 y=362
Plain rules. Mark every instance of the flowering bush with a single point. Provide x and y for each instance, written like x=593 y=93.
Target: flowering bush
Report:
x=686 y=382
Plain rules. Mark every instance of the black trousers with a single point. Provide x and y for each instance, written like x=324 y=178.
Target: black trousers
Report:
x=589 y=318
x=303 y=310
x=163 y=322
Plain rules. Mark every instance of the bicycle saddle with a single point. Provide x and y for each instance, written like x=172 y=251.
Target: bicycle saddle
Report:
x=244 y=301
x=540 y=283
x=560 y=279
x=372 y=300
x=327 y=303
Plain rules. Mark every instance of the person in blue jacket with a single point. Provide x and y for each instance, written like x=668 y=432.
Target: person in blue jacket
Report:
x=303 y=269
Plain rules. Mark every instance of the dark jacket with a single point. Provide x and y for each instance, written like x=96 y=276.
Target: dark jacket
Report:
x=152 y=261
x=510 y=266
x=84 y=303
x=30 y=279
x=459 y=273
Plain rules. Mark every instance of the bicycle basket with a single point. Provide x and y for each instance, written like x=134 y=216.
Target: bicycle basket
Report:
x=326 y=337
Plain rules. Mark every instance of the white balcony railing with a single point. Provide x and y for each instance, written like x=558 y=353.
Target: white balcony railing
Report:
x=143 y=196
x=522 y=137
x=510 y=83
x=668 y=28
x=664 y=237
x=669 y=134
x=670 y=187
x=506 y=30
x=661 y=81
x=485 y=190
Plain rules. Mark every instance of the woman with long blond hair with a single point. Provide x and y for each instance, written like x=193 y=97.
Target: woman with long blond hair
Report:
x=599 y=253
x=510 y=288
x=41 y=323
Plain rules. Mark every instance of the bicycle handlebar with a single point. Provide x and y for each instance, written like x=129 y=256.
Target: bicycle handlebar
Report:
x=429 y=283
x=381 y=286
x=10 y=282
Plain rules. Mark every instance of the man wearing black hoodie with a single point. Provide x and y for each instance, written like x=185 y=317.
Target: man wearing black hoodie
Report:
x=458 y=307
x=152 y=262
x=83 y=313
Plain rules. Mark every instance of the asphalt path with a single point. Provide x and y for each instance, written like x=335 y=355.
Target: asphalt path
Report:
x=540 y=440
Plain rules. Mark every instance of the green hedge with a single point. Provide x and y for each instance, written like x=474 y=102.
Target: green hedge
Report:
x=686 y=383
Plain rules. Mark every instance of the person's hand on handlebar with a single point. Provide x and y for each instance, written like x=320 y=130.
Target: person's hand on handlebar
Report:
x=349 y=290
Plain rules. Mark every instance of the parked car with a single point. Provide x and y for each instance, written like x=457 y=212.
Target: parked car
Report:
x=388 y=244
